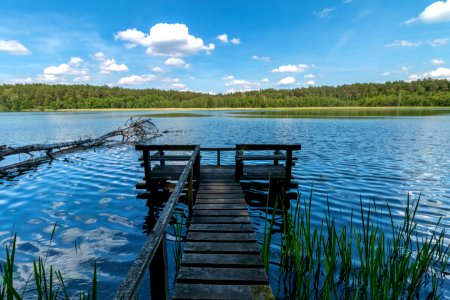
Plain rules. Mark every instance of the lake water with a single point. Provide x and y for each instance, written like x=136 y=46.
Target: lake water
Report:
x=380 y=157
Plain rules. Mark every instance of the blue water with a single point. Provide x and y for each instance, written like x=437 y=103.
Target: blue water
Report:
x=91 y=195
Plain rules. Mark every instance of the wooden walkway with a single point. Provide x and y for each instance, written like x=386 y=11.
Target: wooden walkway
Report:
x=221 y=257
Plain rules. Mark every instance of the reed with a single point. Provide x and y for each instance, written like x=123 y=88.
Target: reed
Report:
x=48 y=283
x=346 y=262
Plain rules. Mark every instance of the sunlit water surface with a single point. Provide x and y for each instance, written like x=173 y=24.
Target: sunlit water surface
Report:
x=91 y=194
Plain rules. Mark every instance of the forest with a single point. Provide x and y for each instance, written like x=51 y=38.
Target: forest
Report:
x=427 y=92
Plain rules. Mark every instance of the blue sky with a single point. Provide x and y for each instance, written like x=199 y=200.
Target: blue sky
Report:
x=223 y=46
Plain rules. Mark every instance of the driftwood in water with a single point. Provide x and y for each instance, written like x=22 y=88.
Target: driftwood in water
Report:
x=134 y=130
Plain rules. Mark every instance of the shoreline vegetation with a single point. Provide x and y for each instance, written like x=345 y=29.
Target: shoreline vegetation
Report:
x=42 y=97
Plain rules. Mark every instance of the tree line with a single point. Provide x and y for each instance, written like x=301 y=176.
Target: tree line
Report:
x=427 y=92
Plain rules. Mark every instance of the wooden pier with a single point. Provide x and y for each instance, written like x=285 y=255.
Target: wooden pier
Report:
x=221 y=257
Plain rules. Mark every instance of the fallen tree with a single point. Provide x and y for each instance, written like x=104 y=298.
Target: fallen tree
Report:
x=134 y=130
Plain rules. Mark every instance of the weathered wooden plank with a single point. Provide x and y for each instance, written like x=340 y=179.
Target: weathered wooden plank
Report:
x=165 y=147
x=220 y=201
x=258 y=147
x=246 y=227
x=222 y=275
x=233 y=190
x=221 y=247
x=220 y=213
x=220 y=196
x=219 y=220
x=223 y=237
x=220 y=206
x=221 y=260
x=215 y=292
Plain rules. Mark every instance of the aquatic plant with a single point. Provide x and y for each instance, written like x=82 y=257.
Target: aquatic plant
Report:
x=346 y=262
x=46 y=286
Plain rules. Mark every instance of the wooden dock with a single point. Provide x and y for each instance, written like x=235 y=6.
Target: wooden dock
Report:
x=221 y=257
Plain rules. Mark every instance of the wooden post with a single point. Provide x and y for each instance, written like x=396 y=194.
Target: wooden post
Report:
x=218 y=157
x=190 y=194
x=147 y=170
x=159 y=275
x=239 y=169
x=275 y=161
x=197 y=166
x=288 y=169
x=162 y=162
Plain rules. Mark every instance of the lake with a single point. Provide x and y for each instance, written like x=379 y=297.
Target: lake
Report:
x=378 y=155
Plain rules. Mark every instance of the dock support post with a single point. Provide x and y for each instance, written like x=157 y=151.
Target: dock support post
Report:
x=159 y=275
x=190 y=194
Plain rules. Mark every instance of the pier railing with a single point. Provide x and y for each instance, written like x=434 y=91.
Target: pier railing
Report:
x=153 y=255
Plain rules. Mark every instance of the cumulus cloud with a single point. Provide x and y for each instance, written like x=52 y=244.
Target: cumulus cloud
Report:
x=165 y=40
x=437 y=62
x=440 y=72
x=261 y=58
x=386 y=73
x=310 y=82
x=438 y=42
x=136 y=79
x=239 y=85
x=57 y=70
x=265 y=80
x=309 y=76
x=287 y=81
x=413 y=77
x=110 y=65
x=21 y=80
x=157 y=69
x=235 y=41
x=47 y=78
x=223 y=38
x=403 y=69
x=179 y=86
x=176 y=62
x=291 y=69
x=75 y=61
x=82 y=78
x=13 y=47
x=324 y=12
x=403 y=43
x=436 y=12
x=99 y=56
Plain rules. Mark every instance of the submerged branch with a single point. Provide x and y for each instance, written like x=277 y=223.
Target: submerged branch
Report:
x=134 y=130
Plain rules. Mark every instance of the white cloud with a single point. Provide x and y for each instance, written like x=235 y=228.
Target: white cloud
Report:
x=239 y=85
x=170 y=80
x=403 y=43
x=75 y=61
x=386 y=73
x=47 y=78
x=265 y=80
x=310 y=82
x=109 y=65
x=99 y=56
x=309 y=76
x=437 y=62
x=176 y=62
x=287 y=81
x=440 y=72
x=82 y=78
x=291 y=68
x=235 y=41
x=261 y=58
x=324 y=12
x=179 y=85
x=59 y=70
x=436 y=12
x=136 y=79
x=21 y=80
x=438 y=42
x=413 y=77
x=13 y=47
x=157 y=69
x=223 y=38
x=166 y=40
x=403 y=69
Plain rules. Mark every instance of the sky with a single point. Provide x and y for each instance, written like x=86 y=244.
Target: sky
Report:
x=223 y=46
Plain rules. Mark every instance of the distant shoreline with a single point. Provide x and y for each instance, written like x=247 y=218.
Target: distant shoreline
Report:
x=245 y=109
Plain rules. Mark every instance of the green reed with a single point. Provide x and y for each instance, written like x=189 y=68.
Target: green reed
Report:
x=346 y=262
x=48 y=283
